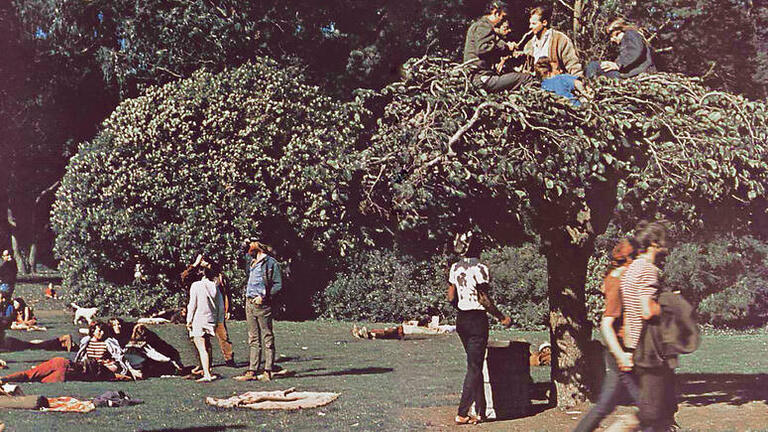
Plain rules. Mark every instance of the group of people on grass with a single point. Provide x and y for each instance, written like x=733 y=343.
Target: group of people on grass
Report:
x=119 y=350
x=549 y=54
x=632 y=292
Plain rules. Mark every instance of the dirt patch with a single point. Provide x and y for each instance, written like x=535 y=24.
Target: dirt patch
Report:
x=717 y=417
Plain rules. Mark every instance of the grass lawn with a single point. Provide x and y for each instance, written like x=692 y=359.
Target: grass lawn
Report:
x=379 y=381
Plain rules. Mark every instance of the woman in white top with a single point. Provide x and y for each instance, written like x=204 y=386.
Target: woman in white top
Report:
x=204 y=311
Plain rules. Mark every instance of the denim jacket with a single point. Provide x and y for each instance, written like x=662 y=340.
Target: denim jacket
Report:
x=271 y=273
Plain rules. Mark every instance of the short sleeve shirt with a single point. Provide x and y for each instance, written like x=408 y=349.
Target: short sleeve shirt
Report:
x=612 y=293
x=466 y=275
x=639 y=280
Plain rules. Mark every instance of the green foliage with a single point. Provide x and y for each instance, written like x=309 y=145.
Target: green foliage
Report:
x=445 y=153
x=388 y=286
x=725 y=278
x=196 y=166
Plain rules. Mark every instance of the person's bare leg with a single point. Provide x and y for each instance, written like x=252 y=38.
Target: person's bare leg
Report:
x=205 y=359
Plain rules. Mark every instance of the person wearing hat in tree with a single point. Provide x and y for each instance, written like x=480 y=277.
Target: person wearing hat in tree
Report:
x=635 y=54
x=264 y=281
x=468 y=292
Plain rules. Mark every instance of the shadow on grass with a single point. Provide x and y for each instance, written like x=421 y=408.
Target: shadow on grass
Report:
x=296 y=359
x=353 y=371
x=220 y=428
x=732 y=389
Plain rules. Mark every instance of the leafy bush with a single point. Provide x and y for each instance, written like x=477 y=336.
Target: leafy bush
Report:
x=387 y=286
x=196 y=166
x=726 y=278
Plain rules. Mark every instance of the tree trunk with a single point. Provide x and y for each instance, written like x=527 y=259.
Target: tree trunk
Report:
x=570 y=331
x=33 y=257
x=578 y=13
x=21 y=262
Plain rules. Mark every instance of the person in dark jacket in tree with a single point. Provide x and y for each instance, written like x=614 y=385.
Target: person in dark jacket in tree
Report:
x=484 y=47
x=635 y=54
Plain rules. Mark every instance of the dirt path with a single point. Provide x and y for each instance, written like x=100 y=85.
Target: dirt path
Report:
x=751 y=416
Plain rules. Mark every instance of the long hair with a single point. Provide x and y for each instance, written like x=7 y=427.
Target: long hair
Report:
x=623 y=254
x=621 y=24
x=497 y=5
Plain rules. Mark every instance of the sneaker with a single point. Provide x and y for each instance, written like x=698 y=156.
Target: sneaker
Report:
x=265 y=376
x=230 y=363
x=249 y=375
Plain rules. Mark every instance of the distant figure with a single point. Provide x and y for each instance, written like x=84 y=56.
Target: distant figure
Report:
x=8 y=272
x=23 y=313
x=50 y=291
x=550 y=43
x=484 y=48
x=468 y=292
x=635 y=54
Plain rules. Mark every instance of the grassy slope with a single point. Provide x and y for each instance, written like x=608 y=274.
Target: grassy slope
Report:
x=376 y=379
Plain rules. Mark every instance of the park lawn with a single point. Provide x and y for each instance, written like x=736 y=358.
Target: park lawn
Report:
x=377 y=380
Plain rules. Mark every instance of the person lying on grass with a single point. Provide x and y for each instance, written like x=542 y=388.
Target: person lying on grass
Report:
x=100 y=358
x=12 y=344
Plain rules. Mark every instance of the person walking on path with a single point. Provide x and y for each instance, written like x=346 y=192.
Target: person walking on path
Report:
x=635 y=54
x=468 y=292
x=204 y=311
x=484 y=48
x=639 y=287
x=618 y=383
x=264 y=281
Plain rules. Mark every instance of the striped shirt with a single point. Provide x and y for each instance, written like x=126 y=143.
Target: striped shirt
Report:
x=639 y=280
x=96 y=350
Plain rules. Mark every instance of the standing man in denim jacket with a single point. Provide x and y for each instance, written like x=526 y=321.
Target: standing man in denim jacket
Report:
x=264 y=281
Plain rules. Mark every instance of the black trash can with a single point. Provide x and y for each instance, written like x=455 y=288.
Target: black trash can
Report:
x=507 y=378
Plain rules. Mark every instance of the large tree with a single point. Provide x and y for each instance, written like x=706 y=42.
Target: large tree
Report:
x=445 y=158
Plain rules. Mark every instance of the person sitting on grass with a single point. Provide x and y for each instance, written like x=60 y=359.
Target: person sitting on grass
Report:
x=559 y=83
x=24 y=316
x=147 y=359
x=12 y=344
x=125 y=333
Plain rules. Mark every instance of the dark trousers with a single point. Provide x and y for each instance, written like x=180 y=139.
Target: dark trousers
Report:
x=472 y=327
x=595 y=70
x=617 y=387
x=260 y=335
x=658 y=398
x=13 y=344
x=494 y=83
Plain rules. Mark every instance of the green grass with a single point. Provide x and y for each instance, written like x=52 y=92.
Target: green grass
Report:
x=376 y=379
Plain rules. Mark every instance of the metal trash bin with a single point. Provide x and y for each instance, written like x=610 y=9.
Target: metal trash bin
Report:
x=507 y=379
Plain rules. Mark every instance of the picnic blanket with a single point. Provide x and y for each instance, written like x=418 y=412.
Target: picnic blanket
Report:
x=280 y=399
x=69 y=404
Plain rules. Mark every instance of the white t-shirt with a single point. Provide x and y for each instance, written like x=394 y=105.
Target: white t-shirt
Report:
x=466 y=275
x=541 y=46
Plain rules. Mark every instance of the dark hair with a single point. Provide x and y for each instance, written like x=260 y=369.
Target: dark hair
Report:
x=544 y=11
x=543 y=65
x=498 y=5
x=623 y=253
x=209 y=273
x=258 y=245
x=22 y=303
x=107 y=330
x=649 y=233
x=139 y=333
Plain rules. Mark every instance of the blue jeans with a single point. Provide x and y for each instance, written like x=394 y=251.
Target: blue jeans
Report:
x=617 y=386
x=595 y=70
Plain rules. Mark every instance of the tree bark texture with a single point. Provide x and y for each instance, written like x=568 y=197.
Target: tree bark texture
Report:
x=570 y=331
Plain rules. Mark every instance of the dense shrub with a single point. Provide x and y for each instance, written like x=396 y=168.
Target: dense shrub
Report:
x=383 y=285
x=726 y=278
x=195 y=166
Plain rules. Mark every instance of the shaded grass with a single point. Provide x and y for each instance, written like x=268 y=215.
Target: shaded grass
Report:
x=376 y=379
